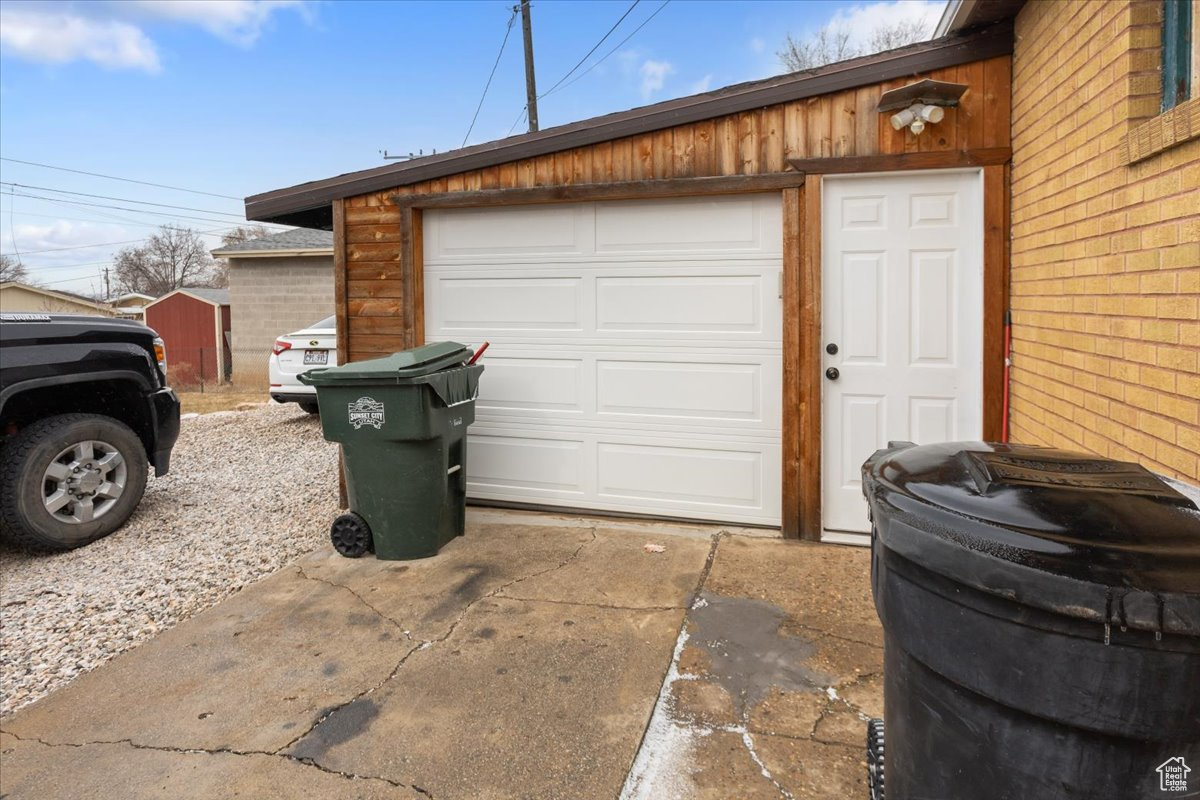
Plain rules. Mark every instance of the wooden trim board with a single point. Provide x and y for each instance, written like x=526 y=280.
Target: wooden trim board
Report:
x=901 y=162
x=792 y=439
x=342 y=322
x=808 y=407
x=595 y=192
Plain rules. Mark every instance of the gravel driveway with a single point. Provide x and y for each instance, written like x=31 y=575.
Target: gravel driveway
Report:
x=248 y=492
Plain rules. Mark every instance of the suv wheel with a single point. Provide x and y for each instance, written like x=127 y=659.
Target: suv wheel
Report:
x=69 y=480
x=310 y=407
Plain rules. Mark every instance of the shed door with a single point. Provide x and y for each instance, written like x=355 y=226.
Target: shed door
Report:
x=902 y=286
x=635 y=360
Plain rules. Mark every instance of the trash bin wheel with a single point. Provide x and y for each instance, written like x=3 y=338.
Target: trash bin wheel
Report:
x=351 y=535
x=875 y=758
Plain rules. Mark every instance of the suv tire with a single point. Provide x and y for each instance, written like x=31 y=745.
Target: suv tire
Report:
x=310 y=407
x=99 y=480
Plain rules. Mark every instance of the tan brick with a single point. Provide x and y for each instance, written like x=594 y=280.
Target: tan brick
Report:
x=1180 y=409
x=1186 y=308
x=1178 y=459
x=1178 y=358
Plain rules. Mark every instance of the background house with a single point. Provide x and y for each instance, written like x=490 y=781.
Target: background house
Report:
x=194 y=325
x=277 y=284
x=131 y=305
x=717 y=306
x=15 y=297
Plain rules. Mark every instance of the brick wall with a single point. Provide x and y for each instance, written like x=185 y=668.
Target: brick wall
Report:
x=1105 y=255
x=270 y=297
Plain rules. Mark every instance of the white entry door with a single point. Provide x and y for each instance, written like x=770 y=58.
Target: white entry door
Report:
x=635 y=362
x=901 y=322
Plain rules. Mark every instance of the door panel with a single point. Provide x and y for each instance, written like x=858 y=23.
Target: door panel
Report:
x=902 y=277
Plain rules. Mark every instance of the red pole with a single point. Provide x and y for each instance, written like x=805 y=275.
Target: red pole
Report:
x=478 y=353
x=1007 y=373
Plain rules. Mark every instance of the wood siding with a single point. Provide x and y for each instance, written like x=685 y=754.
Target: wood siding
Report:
x=378 y=235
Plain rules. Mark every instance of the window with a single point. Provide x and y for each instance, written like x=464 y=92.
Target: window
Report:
x=1179 y=60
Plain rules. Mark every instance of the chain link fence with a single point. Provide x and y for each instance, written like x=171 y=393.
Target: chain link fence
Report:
x=202 y=369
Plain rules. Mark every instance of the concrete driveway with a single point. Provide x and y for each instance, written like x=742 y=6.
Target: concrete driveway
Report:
x=537 y=657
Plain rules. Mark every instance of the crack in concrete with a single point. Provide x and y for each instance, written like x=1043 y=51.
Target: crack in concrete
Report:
x=359 y=597
x=214 y=751
x=822 y=632
x=588 y=605
x=424 y=645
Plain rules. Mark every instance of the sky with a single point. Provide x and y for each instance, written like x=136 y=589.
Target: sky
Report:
x=227 y=98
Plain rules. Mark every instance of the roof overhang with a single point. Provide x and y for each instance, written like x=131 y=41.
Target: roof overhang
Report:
x=962 y=15
x=293 y=253
x=309 y=205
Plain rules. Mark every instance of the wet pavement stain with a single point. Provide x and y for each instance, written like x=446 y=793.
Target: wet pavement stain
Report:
x=342 y=725
x=748 y=653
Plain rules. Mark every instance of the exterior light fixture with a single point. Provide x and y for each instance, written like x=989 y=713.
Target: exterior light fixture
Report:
x=922 y=103
x=916 y=116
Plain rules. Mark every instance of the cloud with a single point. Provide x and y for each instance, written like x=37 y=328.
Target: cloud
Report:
x=701 y=85
x=113 y=34
x=240 y=22
x=59 y=37
x=757 y=45
x=654 y=75
x=861 y=21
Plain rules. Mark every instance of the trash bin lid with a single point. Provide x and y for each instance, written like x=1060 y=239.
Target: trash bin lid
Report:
x=1072 y=533
x=414 y=363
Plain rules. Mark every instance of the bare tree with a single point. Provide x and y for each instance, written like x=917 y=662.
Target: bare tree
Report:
x=826 y=46
x=170 y=259
x=12 y=270
x=243 y=234
x=832 y=43
x=239 y=235
x=897 y=34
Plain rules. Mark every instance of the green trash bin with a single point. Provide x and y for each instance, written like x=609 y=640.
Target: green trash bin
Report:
x=402 y=423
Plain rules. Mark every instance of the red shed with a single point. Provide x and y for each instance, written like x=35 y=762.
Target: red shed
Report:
x=194 y=324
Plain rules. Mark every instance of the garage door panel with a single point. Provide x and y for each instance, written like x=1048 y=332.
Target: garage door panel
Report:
x=727 y=224
x=682 y=474
x=525 y=384
x=708 y=303
x=680 y=390
x=496 y=462
x=516 y=231
x=489 y=304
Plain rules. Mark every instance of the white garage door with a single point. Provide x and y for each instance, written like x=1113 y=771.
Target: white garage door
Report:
x=635 y=360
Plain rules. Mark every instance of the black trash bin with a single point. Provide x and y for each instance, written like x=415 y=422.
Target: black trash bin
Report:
x=1041 y=614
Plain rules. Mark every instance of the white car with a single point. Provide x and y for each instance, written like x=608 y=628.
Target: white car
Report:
x=314 y=346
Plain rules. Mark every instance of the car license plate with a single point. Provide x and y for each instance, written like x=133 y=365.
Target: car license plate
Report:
x=316 y=357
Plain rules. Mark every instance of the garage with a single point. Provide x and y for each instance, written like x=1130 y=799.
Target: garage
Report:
x=711 y=308
x=635 y=358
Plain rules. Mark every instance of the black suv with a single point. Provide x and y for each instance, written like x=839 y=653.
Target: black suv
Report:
x=84 y=409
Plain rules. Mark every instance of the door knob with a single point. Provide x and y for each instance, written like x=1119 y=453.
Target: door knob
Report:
x=832 y=373
x=831 y=348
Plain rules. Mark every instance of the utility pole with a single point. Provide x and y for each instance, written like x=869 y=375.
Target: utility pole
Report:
x=530 y=83
x=107 y=288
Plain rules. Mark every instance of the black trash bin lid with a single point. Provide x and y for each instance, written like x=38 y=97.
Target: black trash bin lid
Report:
x=414 y=363
x=1071 y=533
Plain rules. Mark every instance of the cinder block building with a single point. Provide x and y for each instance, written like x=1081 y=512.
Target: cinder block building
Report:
x=277 y=284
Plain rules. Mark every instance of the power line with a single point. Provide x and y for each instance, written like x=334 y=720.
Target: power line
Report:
x=127 y=241
x=618 y=47
x=594 y=49
x=488 y=85
x=122 y=208
x=115 y=178
x=83 y=219
x=118 y=199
